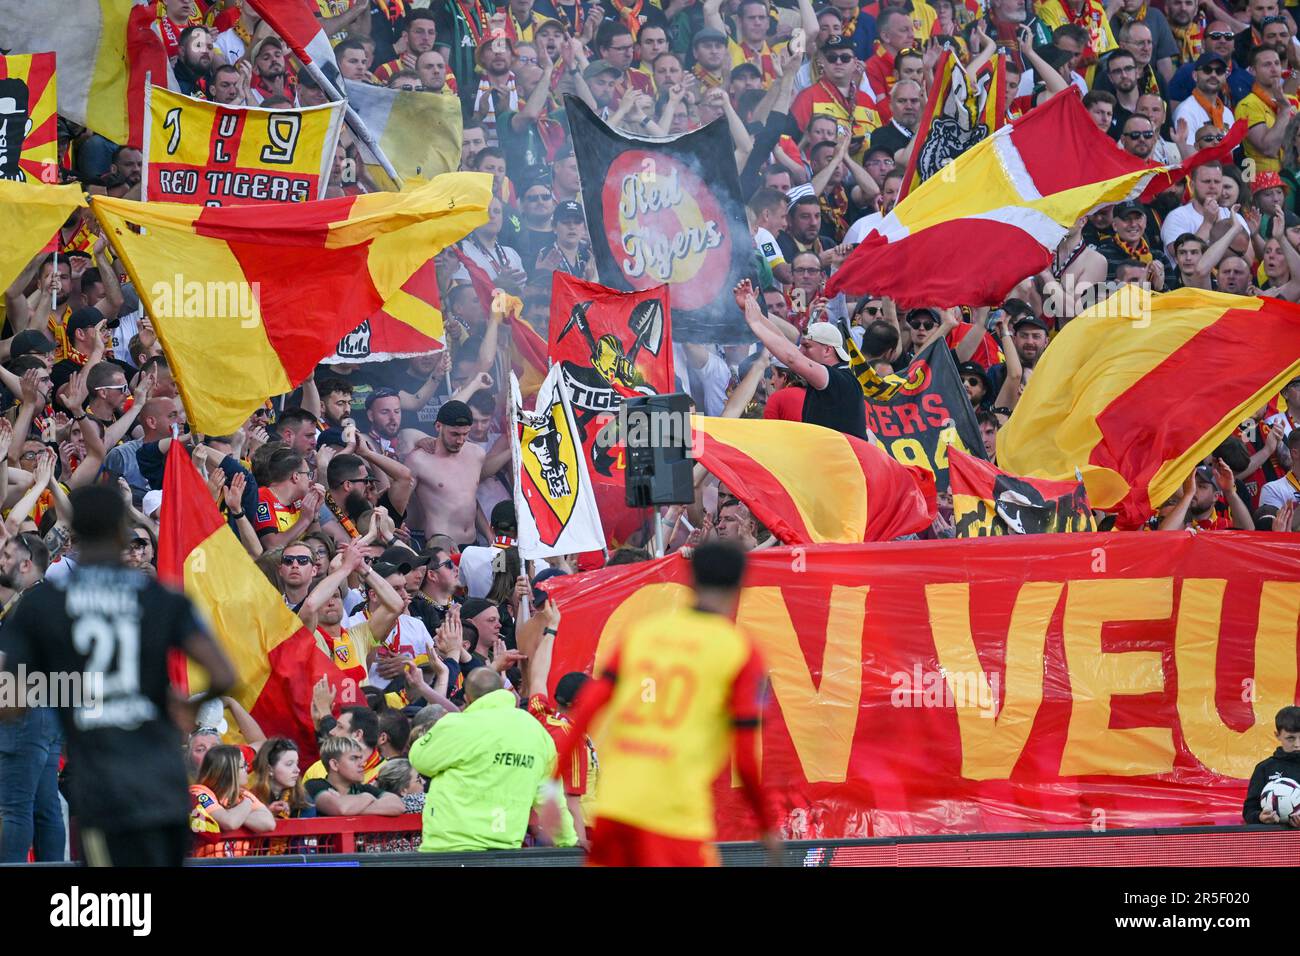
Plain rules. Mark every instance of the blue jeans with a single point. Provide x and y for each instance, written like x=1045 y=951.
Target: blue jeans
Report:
x=30 y=815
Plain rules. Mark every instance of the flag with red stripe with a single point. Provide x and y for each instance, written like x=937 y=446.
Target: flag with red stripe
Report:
x=989 y=501
x=274 y=654
x=808 y=484
x=1141 y=388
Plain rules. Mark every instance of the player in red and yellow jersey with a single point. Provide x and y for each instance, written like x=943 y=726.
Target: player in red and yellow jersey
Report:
x=680 y=687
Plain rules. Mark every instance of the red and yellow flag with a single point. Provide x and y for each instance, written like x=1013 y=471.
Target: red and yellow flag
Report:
x=246 y=303
x=29 y=135
x=30 y=213
x=989 y=501
x=528 y=357
x=1140 y=388
x=1003 y=205
x=810 y=484
x=275 y=656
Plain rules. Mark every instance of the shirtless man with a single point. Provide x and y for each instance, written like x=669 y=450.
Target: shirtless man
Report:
x=448 y=469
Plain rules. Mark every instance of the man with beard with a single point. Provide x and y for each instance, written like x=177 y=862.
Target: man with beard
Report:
x=270 y=71
x=1029 y=337
x=1267 y=111
x=802 y=232
x=565 y=185
x=431 y=68
x=193 y=68
x=447 y=471
x=1202 y=503
x=348 y=480
x=1257 y=13
x=1217 y=39
x=124 y=175
x=1121 y=70
x=421 y=33
x=1207 y=104
x=1199 y=215
x=1138 y=136
x=1185 y=29
x=496 y=84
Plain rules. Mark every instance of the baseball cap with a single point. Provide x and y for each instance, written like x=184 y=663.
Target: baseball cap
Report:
x=598 y=67
x=503 y=516
x=1205 y=473
x=455 y=413
x=709 y=34
x=824 y=333
x=569 y=210
x=152 y=502
x=86 y=317
x=330 y=437
x=1033 y=320
x=1127 y=207
x=29 y=341
x=1206 y=58
x=974 y=368
x=837 y=42
x=398 y=560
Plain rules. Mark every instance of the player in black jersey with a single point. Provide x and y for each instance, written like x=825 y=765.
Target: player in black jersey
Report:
x=103 y=635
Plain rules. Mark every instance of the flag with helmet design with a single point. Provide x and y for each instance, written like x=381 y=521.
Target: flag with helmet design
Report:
x=610 y=345
x=988 y=501
x=555 y=504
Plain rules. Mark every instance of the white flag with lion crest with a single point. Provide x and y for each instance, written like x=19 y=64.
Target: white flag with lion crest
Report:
x=554 y=501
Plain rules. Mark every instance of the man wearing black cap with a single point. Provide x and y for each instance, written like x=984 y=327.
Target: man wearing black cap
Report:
x=447 y=470
x=476 y=563
x=1208 y=102
x=570 y=252
x=1029 y=338
x=408 y=638
x=1131 y=240
x=86 y=332
x=32 y=342
x=835 y=95
x=1209 y=502
x=710 y=48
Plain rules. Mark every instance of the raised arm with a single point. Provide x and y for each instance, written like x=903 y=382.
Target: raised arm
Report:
x=814 y=373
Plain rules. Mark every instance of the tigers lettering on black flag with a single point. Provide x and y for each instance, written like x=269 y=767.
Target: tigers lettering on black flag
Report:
x=668 y=211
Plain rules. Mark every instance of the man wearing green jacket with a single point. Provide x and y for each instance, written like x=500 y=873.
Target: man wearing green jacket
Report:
x=486 y=768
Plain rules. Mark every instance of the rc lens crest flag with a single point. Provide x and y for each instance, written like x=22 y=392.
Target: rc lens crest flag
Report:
x=988 y=501
x=213 y=155
x=554 y=499
x=962 y=110
x=29 y=141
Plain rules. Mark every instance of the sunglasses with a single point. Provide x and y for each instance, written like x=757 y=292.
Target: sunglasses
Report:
x=289 y=560
x=1215 y=70
x=871 y=309
x=972 y=381
x=1212 y=138
x=366 y=478
x=449 y=565
x=839 y=57
x=538 y=197
x=1135 y=135
x=1269 y=21
x=138 y=544
x=922 y=325
x=115 y=388
x=1221 y=35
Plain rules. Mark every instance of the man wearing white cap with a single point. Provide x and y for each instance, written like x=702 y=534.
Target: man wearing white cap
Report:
x=834 y=397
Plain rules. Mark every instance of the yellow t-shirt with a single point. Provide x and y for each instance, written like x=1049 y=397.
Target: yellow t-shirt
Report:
x=1096 y=22
x=1254 y=111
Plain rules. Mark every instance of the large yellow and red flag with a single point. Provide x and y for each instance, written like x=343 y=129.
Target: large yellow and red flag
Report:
x=274 y=654
x=29 y=122
x=1137 y=390
x=106 y=50
x=811 y=485
x=246 y=303
x=997 y=214
x=30 y=213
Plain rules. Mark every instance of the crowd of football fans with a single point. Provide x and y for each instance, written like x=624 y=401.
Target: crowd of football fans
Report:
x=377 y=497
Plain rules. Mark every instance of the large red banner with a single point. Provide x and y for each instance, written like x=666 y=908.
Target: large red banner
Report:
x=999 y=684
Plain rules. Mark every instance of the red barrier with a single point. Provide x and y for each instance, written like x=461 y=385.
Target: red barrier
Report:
x=318 y=835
